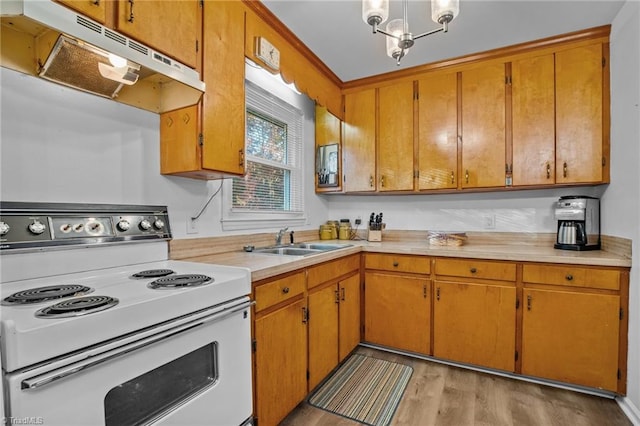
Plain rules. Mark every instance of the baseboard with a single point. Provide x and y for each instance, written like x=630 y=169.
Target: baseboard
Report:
x=629 y=409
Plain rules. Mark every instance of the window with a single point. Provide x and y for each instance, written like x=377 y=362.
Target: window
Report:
x=271 y=190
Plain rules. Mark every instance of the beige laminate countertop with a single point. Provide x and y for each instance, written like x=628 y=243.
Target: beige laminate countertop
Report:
x=267 y=265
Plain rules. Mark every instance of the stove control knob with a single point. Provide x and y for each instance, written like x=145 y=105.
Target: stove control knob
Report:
x=4 y=228
x=158 y=224
x=36 y=227
x=145 y=224
x=124 y=225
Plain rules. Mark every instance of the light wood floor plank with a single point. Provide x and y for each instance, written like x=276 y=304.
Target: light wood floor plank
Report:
x=441 y=395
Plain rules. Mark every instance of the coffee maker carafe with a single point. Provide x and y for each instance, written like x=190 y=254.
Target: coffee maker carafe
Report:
x=578 y=223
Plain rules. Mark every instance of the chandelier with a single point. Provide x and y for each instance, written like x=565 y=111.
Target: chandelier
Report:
x=399 y=39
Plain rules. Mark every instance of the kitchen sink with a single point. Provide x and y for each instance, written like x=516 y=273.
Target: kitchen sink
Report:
x=300 y=249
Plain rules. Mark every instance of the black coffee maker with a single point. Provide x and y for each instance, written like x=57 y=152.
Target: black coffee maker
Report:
x=578 y=223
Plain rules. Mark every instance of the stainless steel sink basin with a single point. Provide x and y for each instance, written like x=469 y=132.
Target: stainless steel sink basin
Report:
x=300 y=249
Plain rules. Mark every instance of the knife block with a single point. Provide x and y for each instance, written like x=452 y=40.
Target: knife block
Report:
x=374 y=235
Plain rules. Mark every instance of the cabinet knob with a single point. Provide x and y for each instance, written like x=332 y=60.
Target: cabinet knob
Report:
x=396 y=264
x=285 y=290
x=473 y=270
x=569 y=277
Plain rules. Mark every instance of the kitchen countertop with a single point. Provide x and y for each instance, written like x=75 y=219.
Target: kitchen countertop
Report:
x=264 y=266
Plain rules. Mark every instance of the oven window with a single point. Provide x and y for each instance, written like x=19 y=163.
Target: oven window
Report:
x=158 y=391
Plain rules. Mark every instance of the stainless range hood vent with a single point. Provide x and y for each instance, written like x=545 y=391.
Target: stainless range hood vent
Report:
x=75 y=51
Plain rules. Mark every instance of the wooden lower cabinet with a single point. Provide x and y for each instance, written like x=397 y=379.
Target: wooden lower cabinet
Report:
x=571 y=337
x=334 y=326
x=397 y=311
x=475 y=324
x=280 y=334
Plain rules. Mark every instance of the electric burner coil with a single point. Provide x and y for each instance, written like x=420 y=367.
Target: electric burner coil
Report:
x=45 y=294
x=77 y=307
x=180 y=281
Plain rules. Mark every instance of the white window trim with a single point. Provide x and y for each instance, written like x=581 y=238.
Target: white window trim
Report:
x=234 y=220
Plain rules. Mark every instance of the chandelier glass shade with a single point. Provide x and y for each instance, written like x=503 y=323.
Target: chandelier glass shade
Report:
x=399 y=39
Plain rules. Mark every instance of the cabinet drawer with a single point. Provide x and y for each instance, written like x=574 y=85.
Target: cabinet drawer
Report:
x=398 y=263
x=278 y=291
x=332 y=270
x=472 y=268
x=570 y=275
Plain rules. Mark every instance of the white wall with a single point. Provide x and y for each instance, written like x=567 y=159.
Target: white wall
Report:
x=621 y=201
x=61 y=145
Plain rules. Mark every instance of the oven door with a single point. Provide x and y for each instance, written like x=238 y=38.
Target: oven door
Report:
x=196 y=373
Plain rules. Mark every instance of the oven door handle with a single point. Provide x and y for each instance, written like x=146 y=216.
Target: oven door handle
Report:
x=61 y=373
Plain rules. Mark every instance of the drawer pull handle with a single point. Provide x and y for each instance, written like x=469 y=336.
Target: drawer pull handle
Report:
x=569 y=277
x=285 y=290
x=424 y=291
x=344 y=296
x=396 y=264
x=528 y=302
x=305 y=315
x=438 y=293
x=337 y=296
x=473 y=270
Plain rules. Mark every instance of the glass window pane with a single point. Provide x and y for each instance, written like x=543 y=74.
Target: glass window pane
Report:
x=266 y=138
x=263 y=187
x=149 y=395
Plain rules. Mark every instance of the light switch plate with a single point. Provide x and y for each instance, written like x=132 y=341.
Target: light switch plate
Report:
x=268 y=53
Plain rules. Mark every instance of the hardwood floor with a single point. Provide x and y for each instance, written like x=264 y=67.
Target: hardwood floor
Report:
x=442 y=395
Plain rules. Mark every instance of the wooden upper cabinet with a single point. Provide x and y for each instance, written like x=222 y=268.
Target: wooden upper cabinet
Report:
x=579 y=114
x=533 y=125
x=211 y=145
x=483 y=127
x=171 y=26
x=395 y=137
x=223 y=113
x=328 y=151
x=94 y=9
x=438 y=131
x=359 y=144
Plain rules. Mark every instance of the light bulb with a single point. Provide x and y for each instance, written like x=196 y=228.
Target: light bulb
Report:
x=375 y=11
x=444 y=10
x=117 y=61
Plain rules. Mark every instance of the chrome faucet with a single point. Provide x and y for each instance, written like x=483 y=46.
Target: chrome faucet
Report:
x=279 y=236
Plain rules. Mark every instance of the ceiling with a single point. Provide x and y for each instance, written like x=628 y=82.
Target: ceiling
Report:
x=335 y=32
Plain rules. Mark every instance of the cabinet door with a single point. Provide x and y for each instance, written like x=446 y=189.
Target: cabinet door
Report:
x=571 y=337
x=397 y=312
x=170 y=26
x=328 y=158
x=395 y=137
x=281 y=362
x=483 y=127
x=360 y=141
x=579 y=114
x=438 y=137
x=349 y=293
x=323 y=333
x=533 y=141
x=96 y=10
x=223 y=115
x=179 y=151
x=475 y=324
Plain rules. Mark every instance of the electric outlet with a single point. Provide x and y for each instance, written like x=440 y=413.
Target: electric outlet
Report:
x=489 y=221
x=192 y=225
x=358 y=220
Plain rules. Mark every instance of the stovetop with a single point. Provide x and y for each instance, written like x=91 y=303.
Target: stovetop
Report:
x=28 y=338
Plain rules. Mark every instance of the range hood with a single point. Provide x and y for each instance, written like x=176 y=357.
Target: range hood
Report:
x=43 y=38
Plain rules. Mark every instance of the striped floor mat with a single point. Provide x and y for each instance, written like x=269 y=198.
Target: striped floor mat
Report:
x=364 y=389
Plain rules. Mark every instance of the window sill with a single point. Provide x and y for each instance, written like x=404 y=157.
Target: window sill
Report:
x=237 y=224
